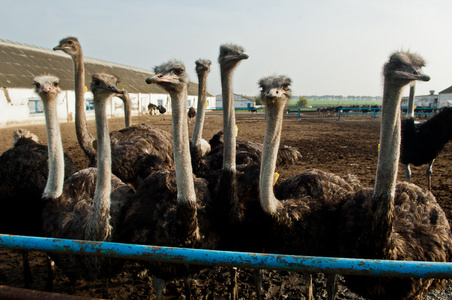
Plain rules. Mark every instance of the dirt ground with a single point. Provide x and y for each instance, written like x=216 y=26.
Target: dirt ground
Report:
x=349 y=146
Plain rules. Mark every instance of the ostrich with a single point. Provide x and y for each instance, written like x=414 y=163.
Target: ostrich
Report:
x=152 y=108
x=136 y=150
x=23 y=175
x=303 y=222
x=71 y=46
x=422 y=143
x=89 y=204
x=191 y=113
x=198 y=146
x=397 y=221
x=171 y=207
x=161 y=109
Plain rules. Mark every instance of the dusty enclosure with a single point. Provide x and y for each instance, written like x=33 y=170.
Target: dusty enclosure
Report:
x=349 y=146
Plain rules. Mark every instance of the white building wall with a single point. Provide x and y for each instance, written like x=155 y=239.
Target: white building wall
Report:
x=239 y=102
x=20 y=110
x=445 y=100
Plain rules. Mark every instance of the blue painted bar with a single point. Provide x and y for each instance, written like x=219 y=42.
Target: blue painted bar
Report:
x=364 y=267
x=375 y=111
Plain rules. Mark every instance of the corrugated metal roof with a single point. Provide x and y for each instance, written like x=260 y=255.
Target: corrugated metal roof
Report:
x=19 y=63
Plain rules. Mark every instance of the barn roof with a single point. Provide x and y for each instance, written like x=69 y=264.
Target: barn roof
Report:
x=447 y=91
x=19 y=63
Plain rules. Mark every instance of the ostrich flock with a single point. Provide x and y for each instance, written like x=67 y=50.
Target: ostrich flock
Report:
x=144 y=185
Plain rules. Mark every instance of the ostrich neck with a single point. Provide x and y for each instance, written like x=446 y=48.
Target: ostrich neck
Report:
x=98 y=225
x=229 y=150
x=55 y=180
x=272 y=138
x=388 y=157
x=127 y=109
x=410 y=108
x=201 y=111
x=382 y=205
x=84 y=138
x=181 y=145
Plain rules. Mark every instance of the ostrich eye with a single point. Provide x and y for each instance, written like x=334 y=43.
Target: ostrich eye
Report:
x=37 y=84
x=178 y=72
x=55 y=84
x=285 y=87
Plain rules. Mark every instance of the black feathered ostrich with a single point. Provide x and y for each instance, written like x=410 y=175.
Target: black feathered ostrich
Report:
x=302 y=211
x=137 y=150
x=397 y=221
x=422 y=143
x=23 y=176
x=89 y=204
x=191 y=113
x=172 y=207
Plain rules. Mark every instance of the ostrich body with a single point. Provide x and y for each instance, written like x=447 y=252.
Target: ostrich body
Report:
x=396 y=221
x=136 y=151
x=422 y=143
x=89 y=204
x=152 y=108
x=191 y=113
x=171 y=207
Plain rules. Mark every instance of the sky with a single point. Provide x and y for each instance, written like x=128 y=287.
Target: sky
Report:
x=326 y=47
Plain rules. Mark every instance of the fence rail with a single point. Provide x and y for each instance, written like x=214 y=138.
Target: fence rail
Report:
x=343 y=111
x=363 y=267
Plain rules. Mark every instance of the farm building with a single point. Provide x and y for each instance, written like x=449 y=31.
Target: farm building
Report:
x=445 y=97
x=430 y=100
x=19 y=64
x=240 y=101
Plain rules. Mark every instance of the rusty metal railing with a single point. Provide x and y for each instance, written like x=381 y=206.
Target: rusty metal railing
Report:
x=346 y=266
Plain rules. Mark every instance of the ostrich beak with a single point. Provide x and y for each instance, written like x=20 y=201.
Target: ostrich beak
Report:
x=159 y=78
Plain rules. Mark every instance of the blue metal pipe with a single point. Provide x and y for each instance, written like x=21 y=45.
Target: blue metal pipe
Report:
x=363 y=267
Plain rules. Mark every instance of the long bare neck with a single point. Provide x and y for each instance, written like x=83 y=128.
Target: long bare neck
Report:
x=229 y=150
x=85 y=139
x=410 y=108
x=388 y=157
x=127 y=110
x=181 y=145
x=98 y=226
x=55 y=179
x=272 y=138
x=201 y=111
x=381 y=210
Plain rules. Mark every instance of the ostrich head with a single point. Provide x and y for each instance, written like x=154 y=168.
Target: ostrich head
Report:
x=231 y=55
x=202 y=66
x=47 y=86
x=69 y=45
x=171 y=76
x=404 y=67
x=103 y=83
x=275 y=90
